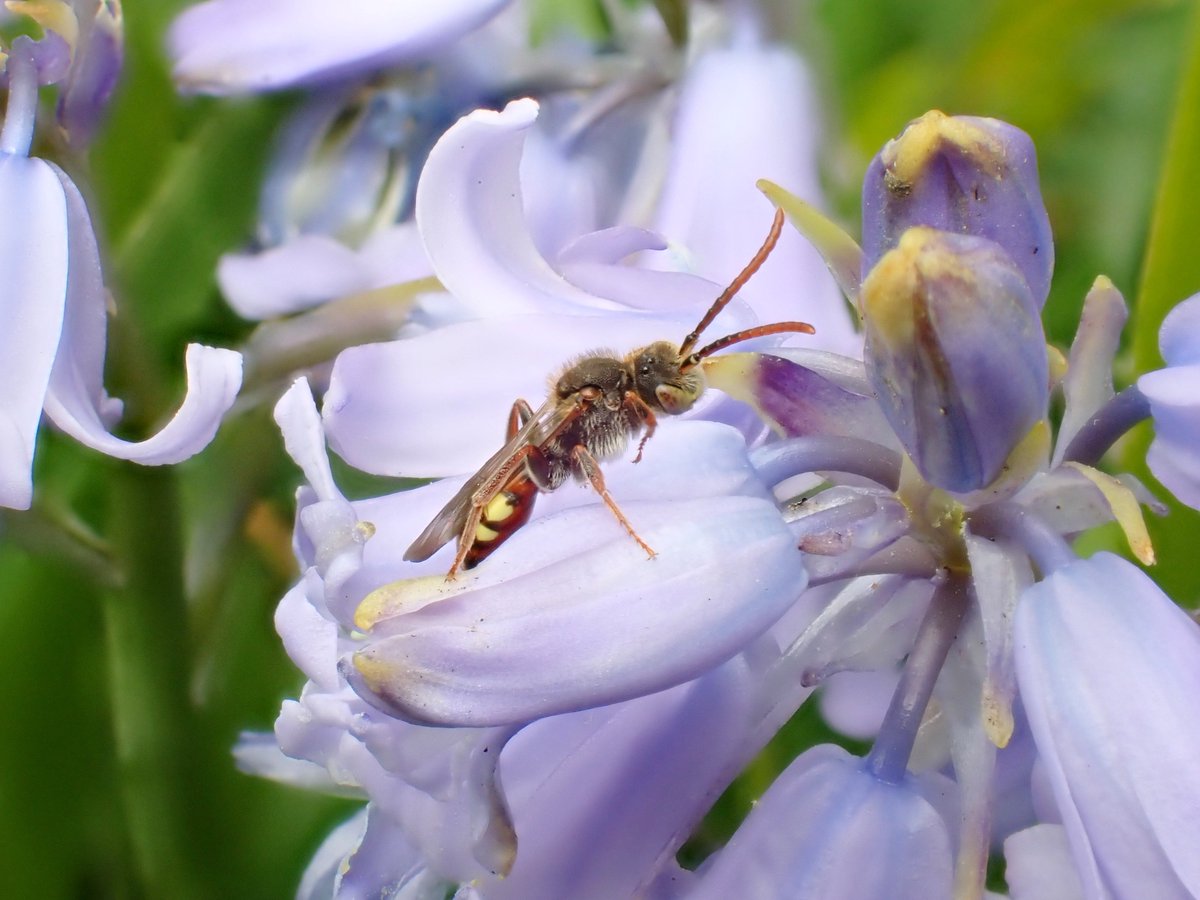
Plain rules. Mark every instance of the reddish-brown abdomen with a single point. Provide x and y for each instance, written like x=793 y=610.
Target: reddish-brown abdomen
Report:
x=507 y=511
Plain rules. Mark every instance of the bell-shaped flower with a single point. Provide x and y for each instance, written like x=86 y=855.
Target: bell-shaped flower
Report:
x=1174 y=395
x=965 y=175
x=570 y=613
x=436 y=809
x=239 y=46
x=1108 y=668
x=944 y=314
x=341 y=176
x=603 y=799
x=55 y=306
x=828 y=827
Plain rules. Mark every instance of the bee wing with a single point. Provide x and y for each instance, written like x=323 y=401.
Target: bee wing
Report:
x=448 y=524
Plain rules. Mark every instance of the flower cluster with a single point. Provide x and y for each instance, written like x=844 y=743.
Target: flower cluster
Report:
x=558 y=721
x=897 y=505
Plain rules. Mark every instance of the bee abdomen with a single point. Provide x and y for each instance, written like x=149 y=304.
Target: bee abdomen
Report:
x=504 y=514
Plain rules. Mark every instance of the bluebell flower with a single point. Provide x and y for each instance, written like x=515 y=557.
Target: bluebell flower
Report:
x=1107 y=667
x=56 y=306
x=437 y=788
x=556 y=721
x=233 y=46
x=1171 y=393
x=890 y=839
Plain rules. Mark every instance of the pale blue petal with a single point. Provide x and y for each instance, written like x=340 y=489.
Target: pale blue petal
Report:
x=258 y=753
x=385 y=864
x=235 y=46
x=1174 y=395
x=297 y=275
x=76 y=400
x=1108 y=668
x=1038 y=865
x=603 y=799
x=473 y=223
x=597 y=622
x=1179 y=337
x=33 y=257
x=570 y=613
x=829 y=830
x=870 y=624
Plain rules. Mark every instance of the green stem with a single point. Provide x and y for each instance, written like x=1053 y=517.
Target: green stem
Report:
x=158 y=750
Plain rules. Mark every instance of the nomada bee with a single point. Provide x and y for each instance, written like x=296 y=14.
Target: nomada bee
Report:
x=598 y=404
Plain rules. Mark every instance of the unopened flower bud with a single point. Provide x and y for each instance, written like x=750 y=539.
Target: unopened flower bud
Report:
x=955 y=353
x=964 y=175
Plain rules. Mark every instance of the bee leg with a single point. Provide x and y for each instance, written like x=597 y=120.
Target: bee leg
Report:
x=466 y=540
x=518 y=416
x=647 y=414
x=474 y=530
x=588 y=466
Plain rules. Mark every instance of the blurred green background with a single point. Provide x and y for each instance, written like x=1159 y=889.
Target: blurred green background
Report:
x=136 y=604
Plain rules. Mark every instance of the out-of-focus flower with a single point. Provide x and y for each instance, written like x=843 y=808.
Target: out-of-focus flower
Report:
x=55 y=305
x=1173 y=395
x=233 y=46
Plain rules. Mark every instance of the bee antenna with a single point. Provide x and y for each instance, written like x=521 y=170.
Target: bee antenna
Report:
x=734 y=286
x=738 y=337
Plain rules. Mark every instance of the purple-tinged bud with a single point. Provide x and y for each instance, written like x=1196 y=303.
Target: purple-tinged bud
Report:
x=95 y=67
x=83 y=51
x=955 y=353
x=964 y=175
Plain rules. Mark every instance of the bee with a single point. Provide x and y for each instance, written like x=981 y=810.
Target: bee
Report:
x=598 y=404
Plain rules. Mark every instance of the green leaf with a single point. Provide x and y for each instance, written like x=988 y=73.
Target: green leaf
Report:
x=1171 y=270
x=1170 y=273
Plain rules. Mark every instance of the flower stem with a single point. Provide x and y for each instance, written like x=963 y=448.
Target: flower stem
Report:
x=826 y=453
x=155 y=730
x=888 y=759
x=16 y=136
x=1111 y=421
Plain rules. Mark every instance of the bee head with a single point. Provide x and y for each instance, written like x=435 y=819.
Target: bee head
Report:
x=664 y=380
